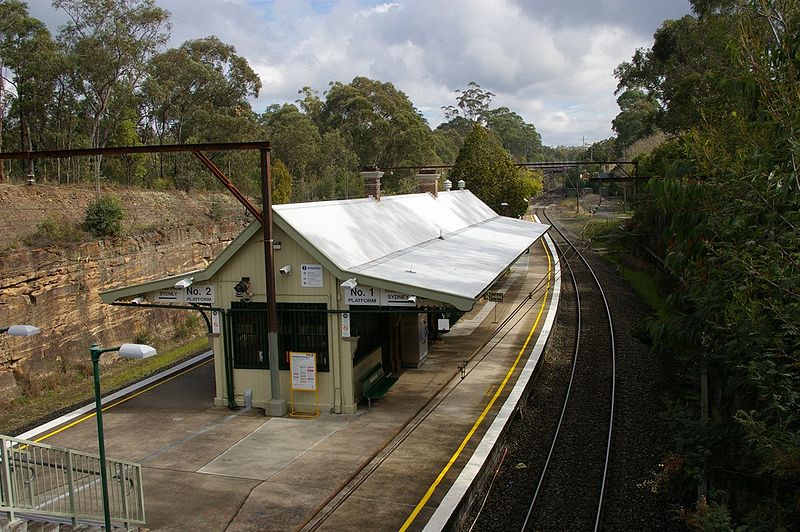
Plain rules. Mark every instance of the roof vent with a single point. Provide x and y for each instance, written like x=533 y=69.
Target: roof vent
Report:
x=461 y=184
x=448 y=185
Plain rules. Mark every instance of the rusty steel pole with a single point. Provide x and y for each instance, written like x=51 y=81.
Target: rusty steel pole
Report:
x=276 y=406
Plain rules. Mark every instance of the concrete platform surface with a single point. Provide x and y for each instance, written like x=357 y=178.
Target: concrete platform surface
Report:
x=209 y=468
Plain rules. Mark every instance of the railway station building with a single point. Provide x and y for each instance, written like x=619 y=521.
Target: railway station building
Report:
x=359 y=283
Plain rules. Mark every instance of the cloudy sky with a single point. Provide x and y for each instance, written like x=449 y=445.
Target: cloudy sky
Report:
x=551 y=61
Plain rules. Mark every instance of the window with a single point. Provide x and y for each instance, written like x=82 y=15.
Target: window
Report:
x=304 y=332
x=297 y=331
x=249 y=324
x=372 y=328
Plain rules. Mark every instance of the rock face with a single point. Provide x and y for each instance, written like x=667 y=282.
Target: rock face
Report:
x=57 y=288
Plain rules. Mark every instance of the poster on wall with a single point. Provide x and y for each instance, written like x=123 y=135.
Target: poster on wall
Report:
x=303 y=367
x=311 y=275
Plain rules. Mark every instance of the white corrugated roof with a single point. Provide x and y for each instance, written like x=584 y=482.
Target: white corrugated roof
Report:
x=451 y=248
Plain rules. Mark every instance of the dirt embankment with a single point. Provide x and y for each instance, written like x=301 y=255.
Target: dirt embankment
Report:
x=23 y=207
x=57 y=287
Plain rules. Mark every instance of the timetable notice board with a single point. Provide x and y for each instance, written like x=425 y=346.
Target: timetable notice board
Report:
x=304 y=371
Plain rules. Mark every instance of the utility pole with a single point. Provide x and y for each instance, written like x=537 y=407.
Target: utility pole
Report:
x=276 y=406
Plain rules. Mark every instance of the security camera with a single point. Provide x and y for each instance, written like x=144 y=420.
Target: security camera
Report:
x=242 y=287
x=286 y=270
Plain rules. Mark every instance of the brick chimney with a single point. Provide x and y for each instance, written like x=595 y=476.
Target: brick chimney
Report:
x=372 y=182
x=428 y=181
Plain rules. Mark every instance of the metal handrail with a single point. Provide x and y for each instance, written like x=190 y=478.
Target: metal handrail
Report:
x=43 y=480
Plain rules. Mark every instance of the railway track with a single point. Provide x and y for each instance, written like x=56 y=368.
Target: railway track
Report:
x=527 y=305
x=555 y=463
x=571 y=487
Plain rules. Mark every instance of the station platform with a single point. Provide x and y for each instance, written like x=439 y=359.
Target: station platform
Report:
x=402 y=464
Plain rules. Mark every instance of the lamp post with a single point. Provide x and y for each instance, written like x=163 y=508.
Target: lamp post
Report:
x=125 y=351
x=20 y=330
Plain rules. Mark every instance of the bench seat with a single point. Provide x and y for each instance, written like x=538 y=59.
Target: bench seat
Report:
x=375 y=383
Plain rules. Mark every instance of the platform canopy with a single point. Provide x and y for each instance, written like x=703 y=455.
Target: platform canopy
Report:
x=450 y=249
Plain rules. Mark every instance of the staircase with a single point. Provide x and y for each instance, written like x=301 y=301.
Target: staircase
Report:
x=47 y=488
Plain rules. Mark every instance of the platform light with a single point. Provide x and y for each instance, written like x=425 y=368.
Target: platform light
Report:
x=138 y=300
x=137 y=351
x=350 y=283
x=184 y=283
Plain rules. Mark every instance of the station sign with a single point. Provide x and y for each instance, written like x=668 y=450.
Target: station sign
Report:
x=362 y=295
x=196 y=293
x=496 y=297
x=369 y=295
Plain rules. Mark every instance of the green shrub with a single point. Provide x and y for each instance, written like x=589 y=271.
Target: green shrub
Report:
x=216 y=210
x=54 y=231
x=143 y=337
x=104 y=217
x=160 y=183
x=187 y=327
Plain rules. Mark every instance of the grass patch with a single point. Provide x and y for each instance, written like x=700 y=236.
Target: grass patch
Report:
x=67 y=392
x=644 y=284
x=605 y=234
x=55 y=230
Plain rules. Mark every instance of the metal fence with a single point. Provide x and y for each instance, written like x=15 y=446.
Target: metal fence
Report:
x=42 y=480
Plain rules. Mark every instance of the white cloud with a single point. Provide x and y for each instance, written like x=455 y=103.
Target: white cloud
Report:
x=551 y=62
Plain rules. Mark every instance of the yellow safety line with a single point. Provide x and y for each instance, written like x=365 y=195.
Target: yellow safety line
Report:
x=480 y=419
x=128 y=398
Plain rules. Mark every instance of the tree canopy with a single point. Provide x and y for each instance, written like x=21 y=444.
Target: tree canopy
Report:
x=490 y=173
x=725 y=214
x=108 y=79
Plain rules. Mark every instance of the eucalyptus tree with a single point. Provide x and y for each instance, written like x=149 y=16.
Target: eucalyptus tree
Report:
x=27 y=59
x=520 y=138
x=311 y=104
x=337 y=169
x=108 y=43
x=637 y=117
x=381 y=125
x=296 y=141
x=471 y=103
x=683 y=70
x=199 y=91
x=322 y=166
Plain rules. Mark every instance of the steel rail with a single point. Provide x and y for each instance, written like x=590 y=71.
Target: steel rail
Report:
x=351 y=484
x=599 y=512
x=569 y=388
x=406 y=430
